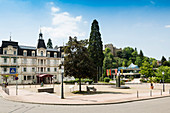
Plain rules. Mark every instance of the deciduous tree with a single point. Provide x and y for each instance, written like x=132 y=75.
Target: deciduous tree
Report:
x=77 y=62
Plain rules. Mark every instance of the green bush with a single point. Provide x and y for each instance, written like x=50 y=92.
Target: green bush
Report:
x=77 y=80
x=106 y=79
x=167 y=80
x=70 y=82
x=131 y=77
x=122 y=82
x=143 y=80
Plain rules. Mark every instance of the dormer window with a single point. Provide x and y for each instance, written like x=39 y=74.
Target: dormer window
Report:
x=55 y=55
x=25 y=53
x=33 y=53
x=41 y=53
x=48 y=54
x=15 y=52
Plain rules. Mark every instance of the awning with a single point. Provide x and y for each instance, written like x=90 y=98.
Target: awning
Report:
x=45 y=75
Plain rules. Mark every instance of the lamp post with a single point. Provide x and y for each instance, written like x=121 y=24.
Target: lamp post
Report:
x=62 y=89
x=163 y=82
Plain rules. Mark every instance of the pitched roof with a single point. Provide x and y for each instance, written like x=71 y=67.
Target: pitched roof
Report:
x=27 y=47
x=41 y=44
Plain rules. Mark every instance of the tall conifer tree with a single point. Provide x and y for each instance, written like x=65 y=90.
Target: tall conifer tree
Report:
x=49 y=44
x=95 y=47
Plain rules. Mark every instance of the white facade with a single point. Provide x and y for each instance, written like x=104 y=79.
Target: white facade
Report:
x=29 y=62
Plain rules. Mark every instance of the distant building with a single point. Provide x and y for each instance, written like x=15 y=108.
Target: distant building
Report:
x=159 y=63
x=33 y=64
x=113 y=49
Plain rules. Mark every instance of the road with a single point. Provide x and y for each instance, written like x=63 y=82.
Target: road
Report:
x=148 y=106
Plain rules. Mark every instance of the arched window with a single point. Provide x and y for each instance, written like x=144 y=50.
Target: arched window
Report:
x=41 y=53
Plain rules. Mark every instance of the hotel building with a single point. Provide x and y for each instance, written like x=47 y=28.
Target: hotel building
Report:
x=33 y=64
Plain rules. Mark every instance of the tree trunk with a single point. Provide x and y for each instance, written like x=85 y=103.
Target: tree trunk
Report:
x=79 y=84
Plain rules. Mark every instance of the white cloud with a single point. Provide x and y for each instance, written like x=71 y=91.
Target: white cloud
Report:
x=152 y=2
x=167 y=26
x=64 y=25
x=55 y=9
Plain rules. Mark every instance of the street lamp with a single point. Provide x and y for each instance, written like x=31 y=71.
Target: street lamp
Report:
x=163 y=82
x=62 y=89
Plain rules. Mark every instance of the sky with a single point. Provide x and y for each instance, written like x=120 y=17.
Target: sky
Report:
x=144 y=24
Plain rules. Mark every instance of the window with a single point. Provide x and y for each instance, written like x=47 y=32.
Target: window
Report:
x=48 y=69
x=14 y=52
x=55 y=55
x=33 y=69
x=55 y=62
x=48 y=61
x=5 y=60
x=5 y=52
x=41 y=62
x=48 y=55
x=5 y=69
x=25 y=78
x=41 y=69
x=33 y=54
x=15 y=60
x=33 y=61
x=25 y=53
x=41 y=53
x=28 y=77
x=55 y=69
x=25 y=69
x=25 y=60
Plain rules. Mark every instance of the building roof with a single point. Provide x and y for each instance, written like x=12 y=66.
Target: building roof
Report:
x=27 y=47
x=49 y=49
x=7 y=43
x=41 y=44
x=132 y=66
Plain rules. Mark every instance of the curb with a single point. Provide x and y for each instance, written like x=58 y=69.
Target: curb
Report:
x=91 y=104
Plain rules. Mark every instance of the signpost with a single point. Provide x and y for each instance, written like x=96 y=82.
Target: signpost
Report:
x=14 y=71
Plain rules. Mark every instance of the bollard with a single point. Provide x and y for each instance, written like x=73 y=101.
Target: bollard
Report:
x=23 y=86
x=169 y=91
x=161 y=91
x=151 y=93
x=137 y=94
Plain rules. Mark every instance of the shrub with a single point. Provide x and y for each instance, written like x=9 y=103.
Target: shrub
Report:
x=88 y=80
x=143 y=80
x=77 y=80
x=70 y=81
x=122 y=82
x=131 y=77
x=167 y=80
x=106 y=79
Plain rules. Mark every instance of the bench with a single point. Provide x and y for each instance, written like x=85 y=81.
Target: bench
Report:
x=91 y=88
x=45 y=89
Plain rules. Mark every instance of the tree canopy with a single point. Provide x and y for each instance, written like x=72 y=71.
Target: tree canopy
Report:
x=147 y=69
x=95 y=47
x=108 y=60
x=77 y=62
x=49 y=43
